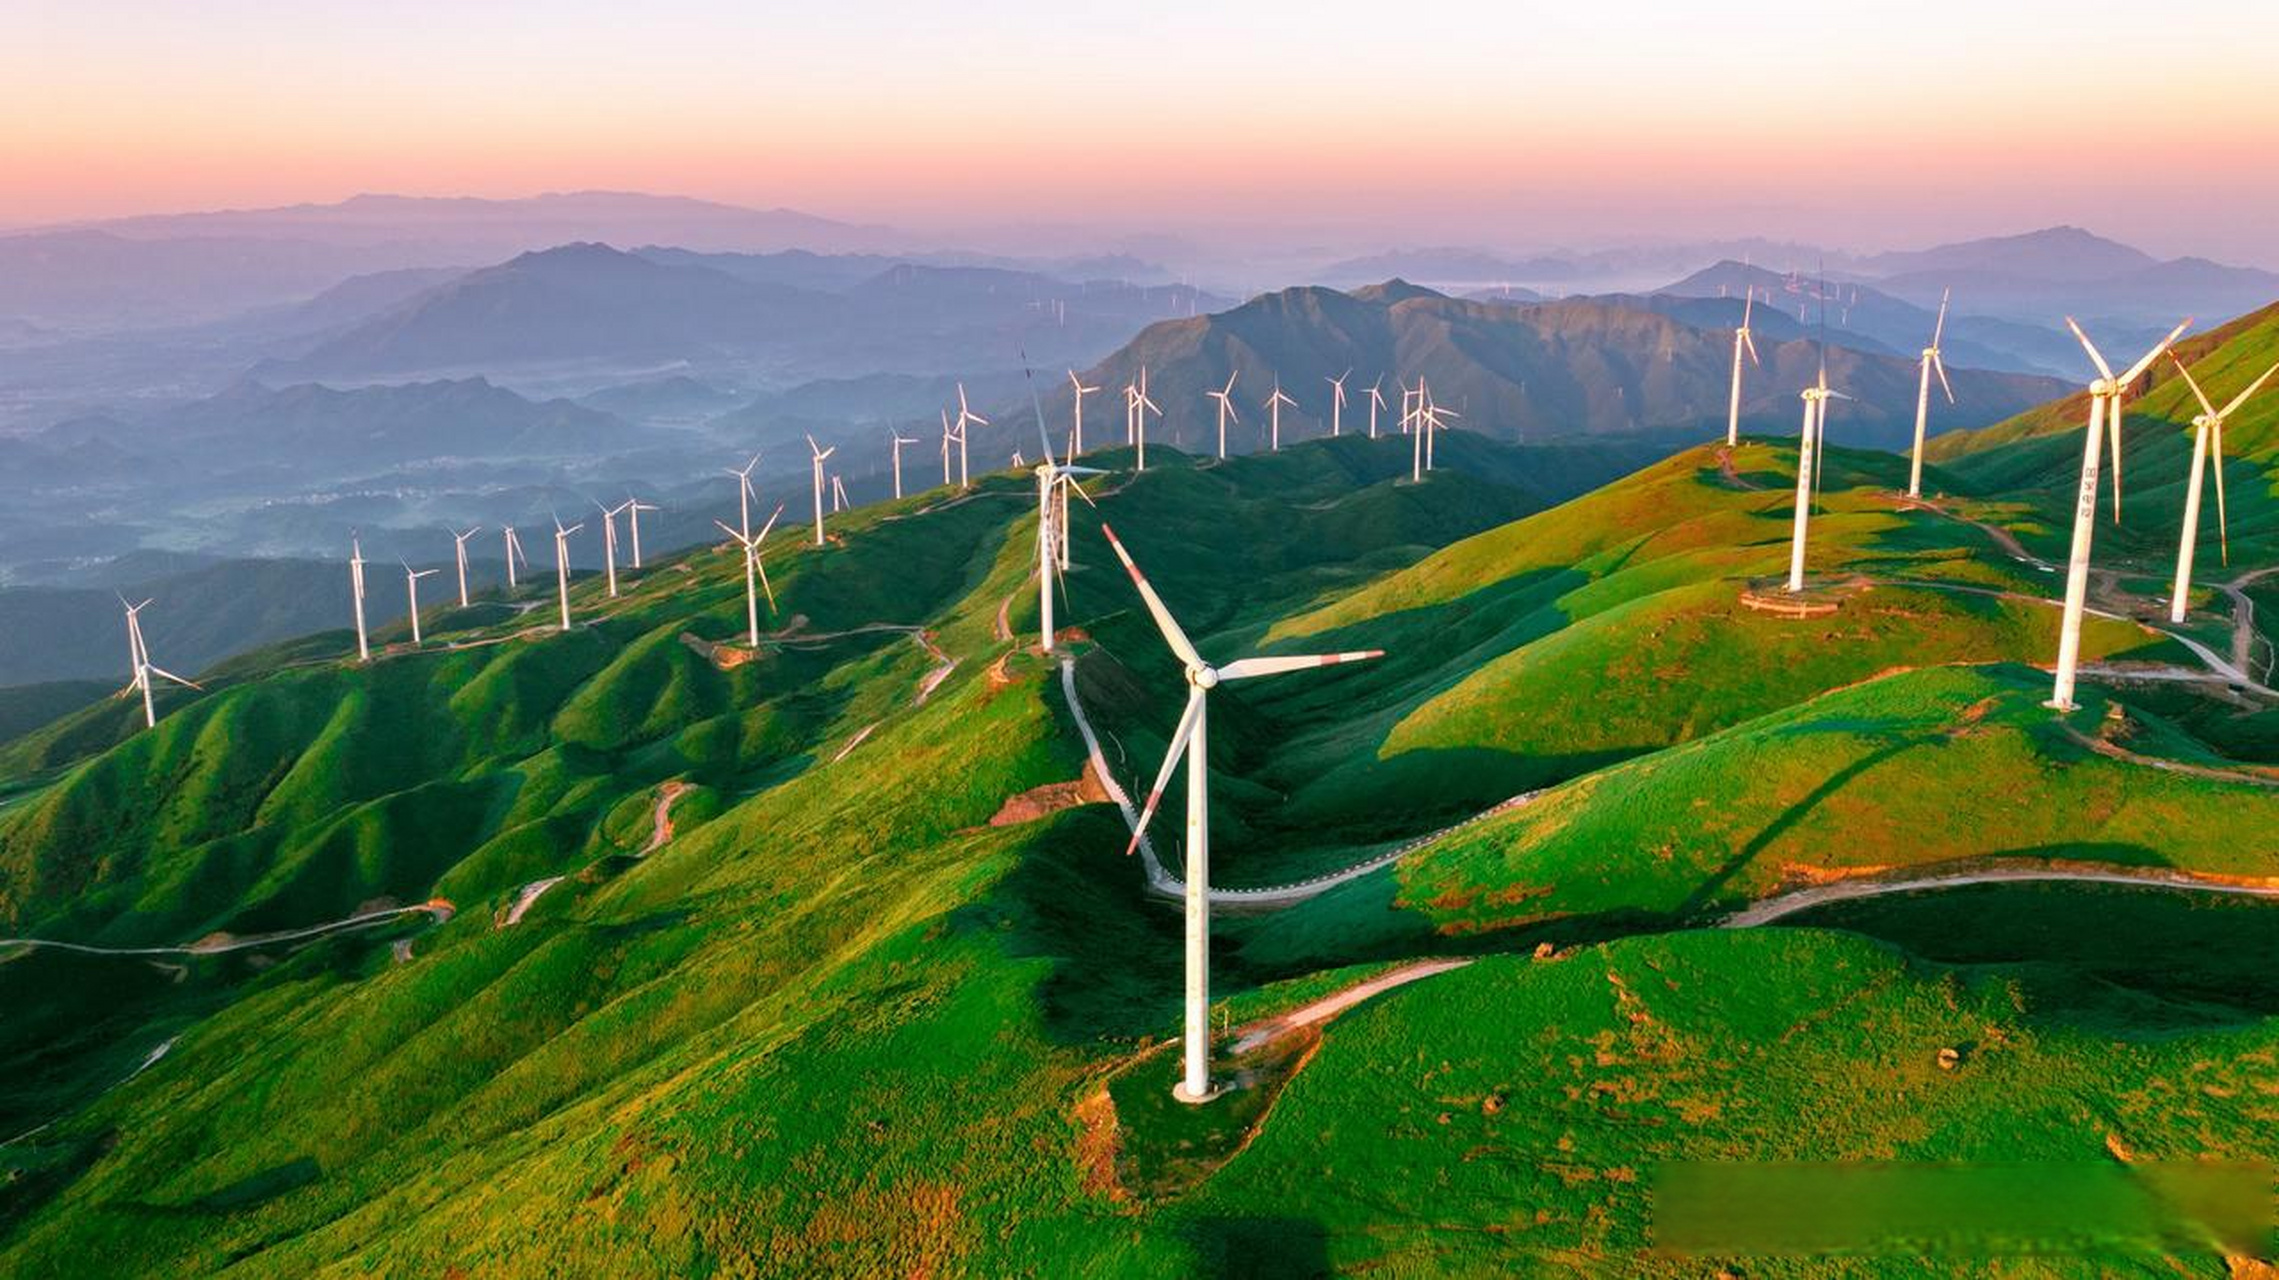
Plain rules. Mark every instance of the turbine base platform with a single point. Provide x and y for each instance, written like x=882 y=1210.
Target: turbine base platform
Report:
x=1820 y=597
x=1179 y=1091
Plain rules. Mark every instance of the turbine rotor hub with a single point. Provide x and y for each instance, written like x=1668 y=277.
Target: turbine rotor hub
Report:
x=1203 y=677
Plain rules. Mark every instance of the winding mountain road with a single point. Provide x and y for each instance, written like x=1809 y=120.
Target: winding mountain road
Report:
x=1787 y=904
x=440 y=909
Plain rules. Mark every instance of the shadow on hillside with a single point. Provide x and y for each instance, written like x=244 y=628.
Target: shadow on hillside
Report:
x=1259 y=1247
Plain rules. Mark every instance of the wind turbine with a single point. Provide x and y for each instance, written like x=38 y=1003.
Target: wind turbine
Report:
x=1810 y=449
x=1430 y=418
x=2102 y=392
x=1076 y=445
x=838 y=495
x=2207 y=436
x=949 y=434
x=1743 y=341
x=1376 y=402
x=633 y=508
x=411 y=590
x=1337 y=403
x=743 y=476
x=1141 y=407
x=820 y=454
x=1931 y=363
x=138 y=654
x=1192 y=740
x=1225 y=397
x=1274 y=405
x=899 y=441
x=754 y=571
x=459 y=549
x=965 y=417
x=562 y=564
x=356 y=588
x=1054 y=480
x=513 y=553
x=609 y=542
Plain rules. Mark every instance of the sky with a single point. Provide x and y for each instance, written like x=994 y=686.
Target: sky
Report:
x=1510 y=125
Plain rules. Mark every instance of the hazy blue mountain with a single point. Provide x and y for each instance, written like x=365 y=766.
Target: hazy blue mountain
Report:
x=2053 y=253
x=92 y=280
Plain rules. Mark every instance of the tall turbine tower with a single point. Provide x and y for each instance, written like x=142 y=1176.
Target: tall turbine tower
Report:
x=1337 y=403
x=1932 y=363
x=965 y=417
x=356 y=589
x=1743 y=342
x=633 y=509
x=1811 y=448
x=899 y=440
x=411 y=592
x=609 y=543
x=1054 y=480
x=820 y=454
x=513 y=553
x=1225 y=397
x=1141 y=407
x=1274 y=405
x=1192 y=741
x=2207 y=435
x=2101 y=392
x=743 y=476
x=755 y=574
x=1376 y=402
x=1076 y=445
x=562 y=565
x=459 y=551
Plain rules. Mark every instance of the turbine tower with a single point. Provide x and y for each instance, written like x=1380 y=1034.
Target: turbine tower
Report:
x=1810 y=449
x=1932 y=363
x=2207 y=437
x=1192 y=741
x=633 y=509
x=562 y=565
x=609 y=542
x=459 y=550
x=1743 y=342
x=755 y=574
x=1337 y=403
x=816 y=462
x=513 y=553
x=356 y=589
x=1274 y=405
x=898 y=440
x=965 y=417
x=138 y=655
x=743 y=476
x=1142 y=406
x=1054 y=480
x=1225 y=397
x=1376 y=402
x=2102 y=393
x=411 y=591
x=1076 y=444
x=949 y=435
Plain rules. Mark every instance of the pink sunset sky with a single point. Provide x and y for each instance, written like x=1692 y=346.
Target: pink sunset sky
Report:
x=1509 y=125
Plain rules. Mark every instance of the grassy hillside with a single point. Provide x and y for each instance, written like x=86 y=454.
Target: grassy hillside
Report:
x=850 y=1011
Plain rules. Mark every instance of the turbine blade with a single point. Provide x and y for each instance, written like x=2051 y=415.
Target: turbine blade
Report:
x=2252 y=388
x=1939 y=329
x=739 y=538
x=1246 y=668
x=763 y=533
x=2095 y=357
x=1178 y=748
x=2193 y=383
x=1748 y=340
x=765 y=585
x=1939 y=366
x=157 y=670
x=2136 y=370
x=1164 y=622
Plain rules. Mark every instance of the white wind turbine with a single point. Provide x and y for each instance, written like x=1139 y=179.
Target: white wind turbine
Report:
x=1337 y=403
x=1932 y=363
x=1743 y=341
x=609 y=542
x=899 y=440
x=949 y=436
x=1192 y=741
x=138 y=654
x=633 y=509
x=820 y=455
x=411 y=592
x=2207 y=446
x=2103 y=392
x=838 y=496
x=1141 y=407
x=1431 y=419
x=966 y=418
x=356 y=588
x=755 y=573
x=459 y=551
x=513 y=553
x=1274 y=405
x=1076 y=444
x=1225 y=397
x=1810 y=449
x=1376 y=402
x=562 y=565
x=1054 y=480
x=743 y=476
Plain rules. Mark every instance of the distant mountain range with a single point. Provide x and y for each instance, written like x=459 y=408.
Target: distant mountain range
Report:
x=1528 y=372
x=759 y=318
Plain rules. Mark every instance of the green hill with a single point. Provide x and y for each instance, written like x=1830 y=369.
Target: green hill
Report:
x=840 y=974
